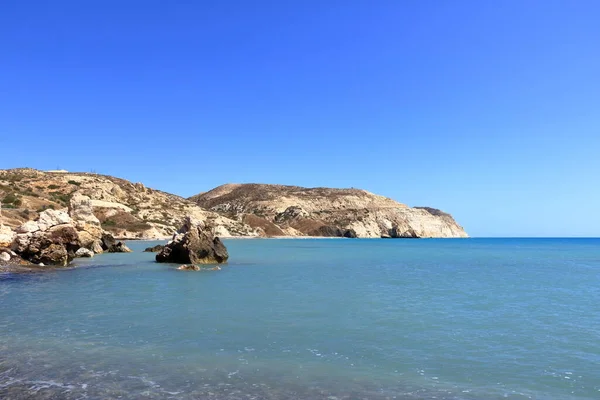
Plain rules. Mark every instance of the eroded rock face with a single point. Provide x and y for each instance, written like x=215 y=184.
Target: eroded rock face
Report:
x=193 y=244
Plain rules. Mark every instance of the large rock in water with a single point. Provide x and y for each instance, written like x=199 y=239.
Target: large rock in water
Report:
x=110 y=245
x=193 y=244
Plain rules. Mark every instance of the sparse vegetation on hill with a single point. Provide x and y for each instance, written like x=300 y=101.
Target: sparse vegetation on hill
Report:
x=131 y=210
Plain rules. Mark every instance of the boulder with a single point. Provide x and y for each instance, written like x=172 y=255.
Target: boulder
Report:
x=193 y=244
x=64 y=234
x=107 y=241
x=55 y=247
x=154 y=249
x=119 y=247
x=97 y=248
x=51 y=240
x=9 y=258
x=27 y=227
x=49 y=218
x=110 y=245
x=81 y=209
x=6 y=236
x=84 y=253
x=54 y=254
x=90 y=236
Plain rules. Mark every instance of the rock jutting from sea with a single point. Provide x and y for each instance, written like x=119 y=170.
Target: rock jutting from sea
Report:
x=194 y=243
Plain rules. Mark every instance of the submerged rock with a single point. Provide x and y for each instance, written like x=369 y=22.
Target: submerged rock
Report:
x=193 y=244
x=154 y=249
x=189 y=268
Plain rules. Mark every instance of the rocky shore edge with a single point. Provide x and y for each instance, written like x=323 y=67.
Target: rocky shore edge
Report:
x=57 y=237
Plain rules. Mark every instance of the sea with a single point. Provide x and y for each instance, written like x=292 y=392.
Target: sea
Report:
x=312 y=319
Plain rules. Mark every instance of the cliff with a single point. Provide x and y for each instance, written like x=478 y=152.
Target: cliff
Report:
x=291 y=210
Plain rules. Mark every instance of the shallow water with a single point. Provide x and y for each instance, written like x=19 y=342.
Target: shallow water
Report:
x=303 y=319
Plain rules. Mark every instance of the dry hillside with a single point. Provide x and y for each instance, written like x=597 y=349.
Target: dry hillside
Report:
x=296 y=210
x=128 y=210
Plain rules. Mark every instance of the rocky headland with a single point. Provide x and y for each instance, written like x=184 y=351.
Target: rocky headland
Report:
x=279 y=210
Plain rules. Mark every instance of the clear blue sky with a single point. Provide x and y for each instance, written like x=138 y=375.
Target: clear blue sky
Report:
x=489 y=110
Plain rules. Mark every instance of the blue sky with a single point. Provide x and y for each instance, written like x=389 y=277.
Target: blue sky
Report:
x=487 y=110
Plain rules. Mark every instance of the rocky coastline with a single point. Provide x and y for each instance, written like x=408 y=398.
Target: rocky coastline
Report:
x=50 y=218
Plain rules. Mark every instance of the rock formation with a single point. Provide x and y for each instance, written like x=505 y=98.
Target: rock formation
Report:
x=51 y=240
x=110 y=245
x=8 y=257
x=55 y=238
x=154 y=249
x=194 y=243
x=326 y=212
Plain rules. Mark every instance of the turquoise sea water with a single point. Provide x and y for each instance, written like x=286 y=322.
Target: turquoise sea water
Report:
x=312 y=319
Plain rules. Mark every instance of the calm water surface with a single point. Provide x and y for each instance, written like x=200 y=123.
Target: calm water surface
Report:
x=312 y=319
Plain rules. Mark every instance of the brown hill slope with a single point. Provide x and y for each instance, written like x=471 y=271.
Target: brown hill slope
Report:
x=326 y=212
x=128 y=210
